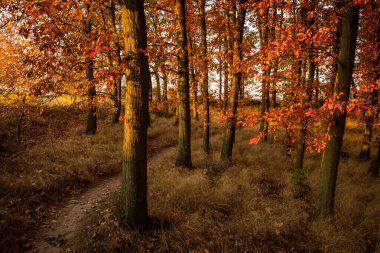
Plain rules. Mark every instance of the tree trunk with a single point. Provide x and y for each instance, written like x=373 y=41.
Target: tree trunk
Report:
x=117 y=85
x=331 y=155
x=193 y=82
x=301 y=146
x=91 y=91
x=365 y=152
x=132 y=209
x=165 y=90
x=220 y=78
x=226 y=76
x=373 y=169
x=229 y=135
x=184 y=126
x=158 y=87
x=265 y=86
x=338 y=34
x=206 y=99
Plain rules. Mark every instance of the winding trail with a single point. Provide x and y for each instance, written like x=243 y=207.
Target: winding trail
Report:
x=66 y=221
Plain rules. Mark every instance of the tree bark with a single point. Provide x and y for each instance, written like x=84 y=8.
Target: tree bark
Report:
x=165 y=89
x=158 y=86
x=193 y=82
x=226 y=75
x=373 y=169
x=184 y=124
x=206 y=99
x=91 y=91
x=132 y=209
x=331 y=155
x=117 y=86
x=229 y=135
x=301 y=145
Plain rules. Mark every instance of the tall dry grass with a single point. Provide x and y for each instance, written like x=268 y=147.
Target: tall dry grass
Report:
x=247 y=206
x=55 y=160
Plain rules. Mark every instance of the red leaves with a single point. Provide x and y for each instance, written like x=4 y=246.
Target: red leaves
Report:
x=255 y=140
x=111 y=83
x=92 y=52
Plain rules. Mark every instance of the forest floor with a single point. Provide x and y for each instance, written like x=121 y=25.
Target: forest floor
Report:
x=64 y=224
x=250 y=205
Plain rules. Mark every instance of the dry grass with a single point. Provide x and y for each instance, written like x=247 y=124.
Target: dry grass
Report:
x=58 y=159
x=246 y=206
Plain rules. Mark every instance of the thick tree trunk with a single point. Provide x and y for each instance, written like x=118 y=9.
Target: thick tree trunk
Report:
x=132 y=209
x=184 y=126
x=206 y=99
x=229 y=136
x=331 y=155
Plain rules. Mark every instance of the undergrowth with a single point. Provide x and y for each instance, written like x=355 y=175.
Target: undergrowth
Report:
x=251 y=205
x=56 y=159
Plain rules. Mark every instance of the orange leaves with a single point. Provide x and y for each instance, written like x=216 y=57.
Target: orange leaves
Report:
x=92 y=52
x=255 y=140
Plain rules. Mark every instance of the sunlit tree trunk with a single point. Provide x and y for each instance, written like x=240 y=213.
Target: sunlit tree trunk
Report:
x=206 y=99
x=132 y=209
x=193 y=82
x=229 y=135
x=184 y=126
x=331 y=155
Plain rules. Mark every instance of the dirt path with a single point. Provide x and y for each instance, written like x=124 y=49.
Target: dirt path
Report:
x=62 y=227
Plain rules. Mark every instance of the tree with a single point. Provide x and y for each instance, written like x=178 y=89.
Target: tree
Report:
x=373 y=169
x=331 y=155
x=91 y=116
x=206 y=99
x=229 y=135
x=369 y=72
x=116 y=94
x=132 y=209
x=184 y=124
